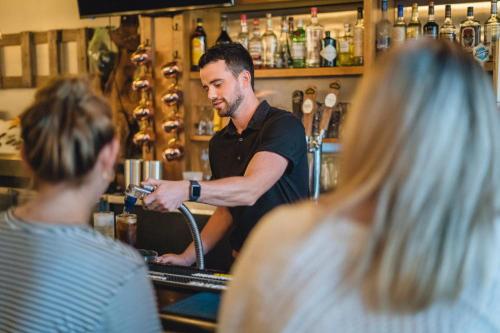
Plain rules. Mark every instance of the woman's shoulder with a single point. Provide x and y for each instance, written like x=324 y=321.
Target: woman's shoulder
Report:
x=300 y=231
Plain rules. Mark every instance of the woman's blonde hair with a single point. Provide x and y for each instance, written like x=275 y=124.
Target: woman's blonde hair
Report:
x=423 y=143
x=65 y=129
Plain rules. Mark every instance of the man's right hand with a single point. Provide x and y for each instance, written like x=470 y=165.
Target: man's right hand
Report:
x=175 y=259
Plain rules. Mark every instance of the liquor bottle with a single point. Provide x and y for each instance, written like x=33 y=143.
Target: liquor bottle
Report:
x=198 y=44
x=223 y=36
x=299 y=46
x=346 y=47
x=470 y=31
x=359 y=31
x=243 y=35
x=383 y=31
x=284 y=55
x=492 y=31
x=270 y=43
x=291 y=30
x=399 y=28
x=328 y=51
x=314 y=34
x=255 y=47
x=448 y=30
x=414 y=29
x=431 y=29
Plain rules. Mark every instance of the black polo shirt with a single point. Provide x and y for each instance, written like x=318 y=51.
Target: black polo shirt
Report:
x=271 y=130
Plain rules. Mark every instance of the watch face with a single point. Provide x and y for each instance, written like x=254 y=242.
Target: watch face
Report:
x=195 y=190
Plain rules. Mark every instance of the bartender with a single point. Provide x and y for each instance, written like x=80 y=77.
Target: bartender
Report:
x=258 y=161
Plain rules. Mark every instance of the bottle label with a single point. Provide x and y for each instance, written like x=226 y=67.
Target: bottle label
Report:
x=491 y=33
x=344 y=46
x=451 y=36
x=269 y=53
x=329 y=53
x=468 y=38
x=298 y=50
x=481 y=53
x=313 y=45
x=398 y=35
x=255 y=50
x=358 y=42
x=197 y=50
x=412 y=33
x=383 y=42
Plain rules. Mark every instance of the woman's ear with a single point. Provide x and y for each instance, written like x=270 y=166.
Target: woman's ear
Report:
x=24 y=160
x=109 y=153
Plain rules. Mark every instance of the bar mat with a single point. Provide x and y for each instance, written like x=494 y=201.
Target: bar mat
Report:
x=203 y=305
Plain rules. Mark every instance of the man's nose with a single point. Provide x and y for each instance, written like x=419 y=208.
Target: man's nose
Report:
x=211 y=93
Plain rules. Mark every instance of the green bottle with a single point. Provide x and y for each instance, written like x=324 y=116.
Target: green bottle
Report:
x=299 y=46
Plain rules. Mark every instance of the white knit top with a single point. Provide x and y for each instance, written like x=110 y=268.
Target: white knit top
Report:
x=288 y=279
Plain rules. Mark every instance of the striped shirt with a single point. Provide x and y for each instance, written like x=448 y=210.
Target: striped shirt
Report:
x=66 y=278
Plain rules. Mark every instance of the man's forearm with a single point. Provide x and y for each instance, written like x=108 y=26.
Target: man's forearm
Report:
x=263 y=171
x=218 y=224
x=230 y=192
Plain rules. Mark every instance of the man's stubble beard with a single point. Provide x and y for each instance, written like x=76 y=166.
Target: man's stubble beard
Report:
x=231 y=108
x=234 y=106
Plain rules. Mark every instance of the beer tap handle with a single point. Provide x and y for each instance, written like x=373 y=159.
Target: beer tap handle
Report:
x=309 y=107
x=331 y=100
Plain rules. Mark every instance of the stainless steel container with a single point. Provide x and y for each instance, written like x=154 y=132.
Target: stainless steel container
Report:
x=152 y=170
x=132 y=172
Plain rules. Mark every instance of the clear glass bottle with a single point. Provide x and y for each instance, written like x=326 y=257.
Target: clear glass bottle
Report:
x=448 y=30
x=359 y=32
x=492 y=31
x=243 y=36
x=414 y=29
x=399 y=28
x=470 y=31
x=328 y=51
x=270 y=43
x=223 y=36
x=383 y=30
x=198 y=44
x=431 y=28
x=255 y=47
x=314 y=34
x=299 y=45
x=345 y=47
x=284 y=55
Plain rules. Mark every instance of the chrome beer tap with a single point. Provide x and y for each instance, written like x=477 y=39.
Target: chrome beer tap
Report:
x=135 y=192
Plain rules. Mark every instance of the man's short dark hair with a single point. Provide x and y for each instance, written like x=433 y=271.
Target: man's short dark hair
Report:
x=235 y=56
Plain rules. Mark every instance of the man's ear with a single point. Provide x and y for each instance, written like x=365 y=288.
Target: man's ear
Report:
x=246 y=79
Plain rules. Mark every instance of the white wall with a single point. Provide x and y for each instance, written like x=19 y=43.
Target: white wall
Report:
x=36 y=15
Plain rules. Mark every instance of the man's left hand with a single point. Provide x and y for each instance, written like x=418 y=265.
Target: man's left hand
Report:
x=168 y=195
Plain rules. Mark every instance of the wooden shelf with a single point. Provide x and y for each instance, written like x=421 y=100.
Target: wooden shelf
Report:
x=206 y=138
x=300 y=72
x=331 y=140
x=201 y=138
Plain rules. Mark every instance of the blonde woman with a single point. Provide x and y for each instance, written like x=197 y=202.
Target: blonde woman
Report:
x=410 y=241
x=56 y=273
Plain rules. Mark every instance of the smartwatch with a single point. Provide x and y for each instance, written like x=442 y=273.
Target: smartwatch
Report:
x=194 y=190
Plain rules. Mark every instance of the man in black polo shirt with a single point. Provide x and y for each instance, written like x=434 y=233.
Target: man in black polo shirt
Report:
x=258 y=161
